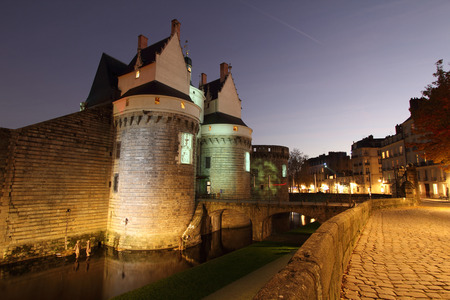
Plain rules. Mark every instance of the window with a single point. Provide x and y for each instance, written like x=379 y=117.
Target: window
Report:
x=138 y=74
x=209 y=128
x=182 y=105
x=207 y=162
x=382 y=155
x=157 y=100
x=235 y=128
x=387 y=154
x=247 y=161
x=186 y=148
x=118 y=146
x=283 y=170
x=116 y=183
x=400 y=150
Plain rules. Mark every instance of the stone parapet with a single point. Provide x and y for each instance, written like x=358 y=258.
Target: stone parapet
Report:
x=315 y=271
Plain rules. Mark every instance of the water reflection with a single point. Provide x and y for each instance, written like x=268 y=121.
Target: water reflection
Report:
x=108 y=273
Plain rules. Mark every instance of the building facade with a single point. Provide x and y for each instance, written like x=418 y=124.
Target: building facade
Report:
x=330 y=173
x=366 y=163
x=398 y=152
x=127 y=169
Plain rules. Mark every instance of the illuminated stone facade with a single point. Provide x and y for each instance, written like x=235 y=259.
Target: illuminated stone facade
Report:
x=128 y=168
x=269 y=173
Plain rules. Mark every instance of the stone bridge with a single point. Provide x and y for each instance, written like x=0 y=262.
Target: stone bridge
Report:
x=258 y=213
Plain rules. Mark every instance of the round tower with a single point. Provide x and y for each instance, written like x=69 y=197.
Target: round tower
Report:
x=152 y=199
x=225 y=160
x=269 y=173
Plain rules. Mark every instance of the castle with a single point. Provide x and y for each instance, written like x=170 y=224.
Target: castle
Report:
x=127 y=169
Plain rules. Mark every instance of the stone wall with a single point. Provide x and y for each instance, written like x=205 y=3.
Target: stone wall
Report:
x=227 y=174
x=154 y=200
x=315 y=271
x=269 y=182
x=57 y=183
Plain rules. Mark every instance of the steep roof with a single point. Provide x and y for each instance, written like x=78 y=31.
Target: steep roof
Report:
x=148 y=55
x=156 y=88
x=221 y=118
x=104 y=88
x=213 y=88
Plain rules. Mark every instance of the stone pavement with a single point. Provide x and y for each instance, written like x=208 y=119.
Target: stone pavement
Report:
x=402 y=254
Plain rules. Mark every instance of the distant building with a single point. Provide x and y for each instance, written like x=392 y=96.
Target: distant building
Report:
x=397 y=153
x=366 y=163
x=330 y=173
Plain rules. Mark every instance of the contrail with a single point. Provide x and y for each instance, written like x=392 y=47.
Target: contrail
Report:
x=282 y=22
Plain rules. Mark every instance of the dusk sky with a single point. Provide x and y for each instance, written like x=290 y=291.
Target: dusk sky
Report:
x=312 y=75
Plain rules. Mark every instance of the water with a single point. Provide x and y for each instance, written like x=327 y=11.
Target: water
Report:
x=109 y=273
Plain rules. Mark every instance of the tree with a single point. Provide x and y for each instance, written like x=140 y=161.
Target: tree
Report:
x=296 y=161
x=431 y=117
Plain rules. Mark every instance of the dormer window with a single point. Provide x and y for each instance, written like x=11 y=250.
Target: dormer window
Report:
x=138 y=74
x=182 y=105
x=235 y=128
x=157 y=100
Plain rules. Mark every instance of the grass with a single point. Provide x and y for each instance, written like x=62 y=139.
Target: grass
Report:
x=204 y=279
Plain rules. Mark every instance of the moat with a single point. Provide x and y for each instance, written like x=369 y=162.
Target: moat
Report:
x=108 y=273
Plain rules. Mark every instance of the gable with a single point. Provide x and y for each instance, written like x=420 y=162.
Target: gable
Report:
x=171 y=67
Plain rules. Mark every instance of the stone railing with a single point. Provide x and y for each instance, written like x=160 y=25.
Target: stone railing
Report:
x=315 y=271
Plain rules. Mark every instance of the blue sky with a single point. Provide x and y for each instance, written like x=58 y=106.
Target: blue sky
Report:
x=312 y=75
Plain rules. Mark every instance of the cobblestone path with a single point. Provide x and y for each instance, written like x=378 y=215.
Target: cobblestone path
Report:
x=402 y=254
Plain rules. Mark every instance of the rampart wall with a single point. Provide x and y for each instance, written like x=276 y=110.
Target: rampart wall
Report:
x=315 y=271
x=56 y=184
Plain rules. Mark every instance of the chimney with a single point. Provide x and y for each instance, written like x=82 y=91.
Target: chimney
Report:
x=203 y=80
x=175 y=28
x=223 y=71
x=142 y=42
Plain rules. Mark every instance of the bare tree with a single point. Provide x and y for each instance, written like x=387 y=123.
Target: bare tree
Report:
x=295 y=164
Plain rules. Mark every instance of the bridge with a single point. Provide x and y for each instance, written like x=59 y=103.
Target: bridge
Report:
x=214 y=214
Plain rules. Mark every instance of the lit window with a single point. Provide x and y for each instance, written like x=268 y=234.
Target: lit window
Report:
x=235 y=128
x=209 y=128
x=247 y=161
x=283 y=171
x=182 y=105
x=157 y=100
x=382 y=154
x=435 y=188
x=387 y=154
x=138 y=74
x=186 y=148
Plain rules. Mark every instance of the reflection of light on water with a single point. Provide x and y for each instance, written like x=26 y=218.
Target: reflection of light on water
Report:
x=313 y=220
x=303 y=220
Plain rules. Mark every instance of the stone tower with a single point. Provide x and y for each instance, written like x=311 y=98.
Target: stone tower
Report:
x=269 y=173
x=224 y=165
x=156 y=127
